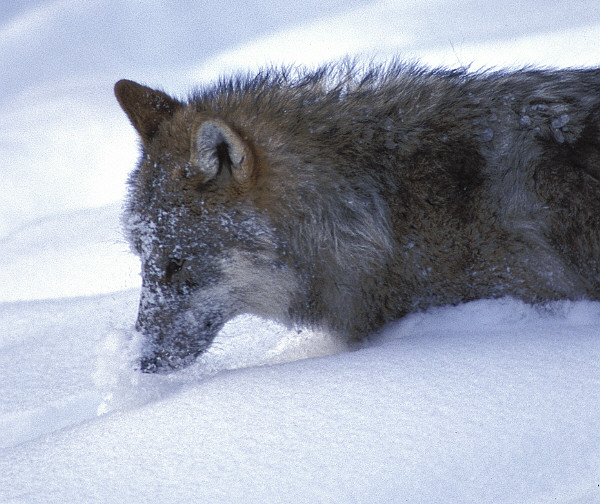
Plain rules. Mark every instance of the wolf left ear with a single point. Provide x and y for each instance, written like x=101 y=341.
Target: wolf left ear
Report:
x=218 y=151
x=146 y=108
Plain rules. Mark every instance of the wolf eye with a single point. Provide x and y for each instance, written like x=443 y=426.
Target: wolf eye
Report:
x=174 y=266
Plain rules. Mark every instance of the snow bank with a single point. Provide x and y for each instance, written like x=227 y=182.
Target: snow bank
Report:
x=493 y=401
x=436 y=33
x=80 y=253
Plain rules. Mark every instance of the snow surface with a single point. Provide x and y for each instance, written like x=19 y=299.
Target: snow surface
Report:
x=492 y=401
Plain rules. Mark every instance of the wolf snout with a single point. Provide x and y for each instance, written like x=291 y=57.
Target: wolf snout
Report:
x=155 y=363
x=164 y=362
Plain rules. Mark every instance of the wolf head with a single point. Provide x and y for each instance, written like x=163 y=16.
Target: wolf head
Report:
x=208 y=250
x=258 y=196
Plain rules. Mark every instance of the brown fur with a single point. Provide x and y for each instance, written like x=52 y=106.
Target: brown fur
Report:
x=347 y=197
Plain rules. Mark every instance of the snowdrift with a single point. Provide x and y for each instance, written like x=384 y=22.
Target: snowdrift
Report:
x=493 y=401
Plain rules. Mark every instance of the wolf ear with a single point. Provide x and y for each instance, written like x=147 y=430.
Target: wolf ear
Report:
x=145 y=107
x=218 y=151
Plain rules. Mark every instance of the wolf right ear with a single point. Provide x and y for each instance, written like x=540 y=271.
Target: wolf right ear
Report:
x=146 y=108
x=218 y=150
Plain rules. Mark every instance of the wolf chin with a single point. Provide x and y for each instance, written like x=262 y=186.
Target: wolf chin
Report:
x=347 y=196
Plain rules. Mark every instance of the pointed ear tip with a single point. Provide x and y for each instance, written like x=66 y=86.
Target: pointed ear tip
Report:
x=122 y=85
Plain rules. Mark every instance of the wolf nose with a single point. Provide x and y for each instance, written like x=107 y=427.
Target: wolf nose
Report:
x=157 y=363
x=149 y=365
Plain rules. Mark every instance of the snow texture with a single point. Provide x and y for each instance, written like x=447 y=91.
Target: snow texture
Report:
x=491 y=401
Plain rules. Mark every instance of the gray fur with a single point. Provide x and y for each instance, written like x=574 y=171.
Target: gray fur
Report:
x=347 y=197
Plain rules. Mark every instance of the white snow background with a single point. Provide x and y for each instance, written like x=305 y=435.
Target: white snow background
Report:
x=488 y=402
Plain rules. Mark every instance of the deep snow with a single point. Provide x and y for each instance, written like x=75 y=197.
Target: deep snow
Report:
x=493 y=401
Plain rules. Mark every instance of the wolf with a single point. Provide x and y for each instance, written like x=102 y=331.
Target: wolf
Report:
x=347 y=196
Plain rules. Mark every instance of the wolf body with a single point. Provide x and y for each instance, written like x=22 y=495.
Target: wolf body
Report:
x=347 y=197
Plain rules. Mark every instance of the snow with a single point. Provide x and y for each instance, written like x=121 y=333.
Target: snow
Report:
x=491 y=401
